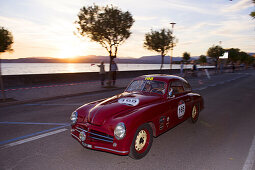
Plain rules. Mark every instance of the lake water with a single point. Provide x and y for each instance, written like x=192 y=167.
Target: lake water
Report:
x=48 y=68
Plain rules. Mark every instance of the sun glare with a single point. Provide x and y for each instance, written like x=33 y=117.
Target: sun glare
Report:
x=71 y=49
x=67 y=53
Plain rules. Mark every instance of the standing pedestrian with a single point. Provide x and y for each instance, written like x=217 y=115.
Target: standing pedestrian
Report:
x=233 y=67
x=182 y=66
x=114 y=69
x=195 y=69
x=102 y=72
x=221 y=67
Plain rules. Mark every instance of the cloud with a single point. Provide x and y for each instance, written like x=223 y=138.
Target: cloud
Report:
x=240 y=5
x=144 y=18
x=200 y=24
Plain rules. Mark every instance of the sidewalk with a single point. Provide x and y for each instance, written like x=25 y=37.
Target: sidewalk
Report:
x=39 y=93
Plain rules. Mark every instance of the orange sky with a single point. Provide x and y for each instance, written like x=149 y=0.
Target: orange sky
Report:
x=44 y=28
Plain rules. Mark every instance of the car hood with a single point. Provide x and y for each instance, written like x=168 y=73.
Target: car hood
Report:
x=111 y=107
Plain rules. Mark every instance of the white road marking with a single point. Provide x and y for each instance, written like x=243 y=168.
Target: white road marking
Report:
x=212 y=85
x=251 y=157
x=202 y=88
x=218 y=83
x=33 y=138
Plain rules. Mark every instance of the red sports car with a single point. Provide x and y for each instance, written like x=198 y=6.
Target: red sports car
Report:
x=126 y=123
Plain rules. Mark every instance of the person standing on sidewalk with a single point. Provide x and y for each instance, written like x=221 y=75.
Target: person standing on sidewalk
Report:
x=114 y=69
x=194 y=69
x=102 y=72
x=233 y=67
x=182 y=66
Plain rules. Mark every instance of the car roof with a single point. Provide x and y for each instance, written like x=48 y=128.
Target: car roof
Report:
x=161 y=77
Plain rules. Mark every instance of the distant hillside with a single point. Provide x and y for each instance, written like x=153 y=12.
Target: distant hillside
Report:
x=95 y=59
x=252 y=54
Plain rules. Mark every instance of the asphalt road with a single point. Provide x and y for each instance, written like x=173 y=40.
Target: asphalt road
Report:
x=37 y=135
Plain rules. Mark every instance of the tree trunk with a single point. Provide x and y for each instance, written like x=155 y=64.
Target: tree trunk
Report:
x=162 y=61
x=216 y=65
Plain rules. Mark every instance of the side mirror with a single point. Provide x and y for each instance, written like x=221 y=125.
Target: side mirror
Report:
x=170 y=93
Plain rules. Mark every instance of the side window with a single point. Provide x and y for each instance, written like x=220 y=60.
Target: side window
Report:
x=177 y=87
x=186 y=87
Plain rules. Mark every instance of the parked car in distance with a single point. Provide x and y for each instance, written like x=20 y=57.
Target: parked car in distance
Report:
x=126 y=123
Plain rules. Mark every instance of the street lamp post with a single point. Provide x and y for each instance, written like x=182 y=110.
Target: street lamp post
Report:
x=1 y=83
x=172 y=48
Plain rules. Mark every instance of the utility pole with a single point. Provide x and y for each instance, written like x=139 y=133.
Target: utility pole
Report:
x=1 y=82
x=172 y=48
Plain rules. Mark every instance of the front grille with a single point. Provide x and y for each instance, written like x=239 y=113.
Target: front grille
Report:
x=100 y=136
x=96 y=135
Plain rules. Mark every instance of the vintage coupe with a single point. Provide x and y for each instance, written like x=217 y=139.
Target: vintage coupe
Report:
x=126 y=123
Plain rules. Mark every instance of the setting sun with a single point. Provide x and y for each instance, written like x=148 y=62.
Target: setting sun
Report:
x=67 y=53
x=71 y=49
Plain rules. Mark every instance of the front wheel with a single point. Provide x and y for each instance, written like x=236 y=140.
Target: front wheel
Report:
x=142 y=142
x=194 y=114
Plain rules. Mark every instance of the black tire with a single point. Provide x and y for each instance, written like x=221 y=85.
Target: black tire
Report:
x=194 y=113
x=139 y=152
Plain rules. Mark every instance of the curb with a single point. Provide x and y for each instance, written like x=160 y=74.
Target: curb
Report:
x=79 y=94
x=58 y=97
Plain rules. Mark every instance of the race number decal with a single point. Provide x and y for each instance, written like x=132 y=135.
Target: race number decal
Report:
x=181 y=109
x=148 y=78
x=129 y=101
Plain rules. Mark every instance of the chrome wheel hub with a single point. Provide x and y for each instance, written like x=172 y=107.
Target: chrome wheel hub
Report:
x=140 y=140
x=194 y=112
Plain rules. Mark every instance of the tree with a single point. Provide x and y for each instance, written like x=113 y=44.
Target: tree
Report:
x=215 y=52
x=108 y=26
x=252 y=14
x=159 y=41
x=246 y=58
x=6 y=40
x=249 y=60
x=233 y=55
x=186 y=57
x=243 y=56
x=202 y=59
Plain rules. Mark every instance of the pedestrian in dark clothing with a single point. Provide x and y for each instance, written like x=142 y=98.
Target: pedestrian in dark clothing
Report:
x=102 y=72
x=233 y=67
x=195 y=70
x=114 y=69
x=182 y=66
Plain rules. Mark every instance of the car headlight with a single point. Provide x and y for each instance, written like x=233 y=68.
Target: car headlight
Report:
x=74 y=117
x=120 y=131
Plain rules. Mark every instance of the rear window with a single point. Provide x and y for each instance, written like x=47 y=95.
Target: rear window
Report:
x=177 y=87
x=186 y=87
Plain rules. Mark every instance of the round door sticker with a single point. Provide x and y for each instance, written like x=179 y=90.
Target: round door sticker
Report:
x=129 y=101
x=181 y=109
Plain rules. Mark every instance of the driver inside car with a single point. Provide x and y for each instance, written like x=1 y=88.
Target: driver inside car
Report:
x=160 y=89
x=147 y=87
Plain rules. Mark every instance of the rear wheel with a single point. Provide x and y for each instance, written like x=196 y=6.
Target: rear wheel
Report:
x=194 y=114
x=142 y=142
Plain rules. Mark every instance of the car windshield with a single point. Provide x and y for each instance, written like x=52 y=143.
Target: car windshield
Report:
x=147 y=86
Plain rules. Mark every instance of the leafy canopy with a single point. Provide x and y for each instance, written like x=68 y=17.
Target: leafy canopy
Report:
x=215 y=52
x=186 y=56
x=159 y=41
x=233 y=54
x=108 y=26
x=202 y=59
x=244 y=57
x=6 y=40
